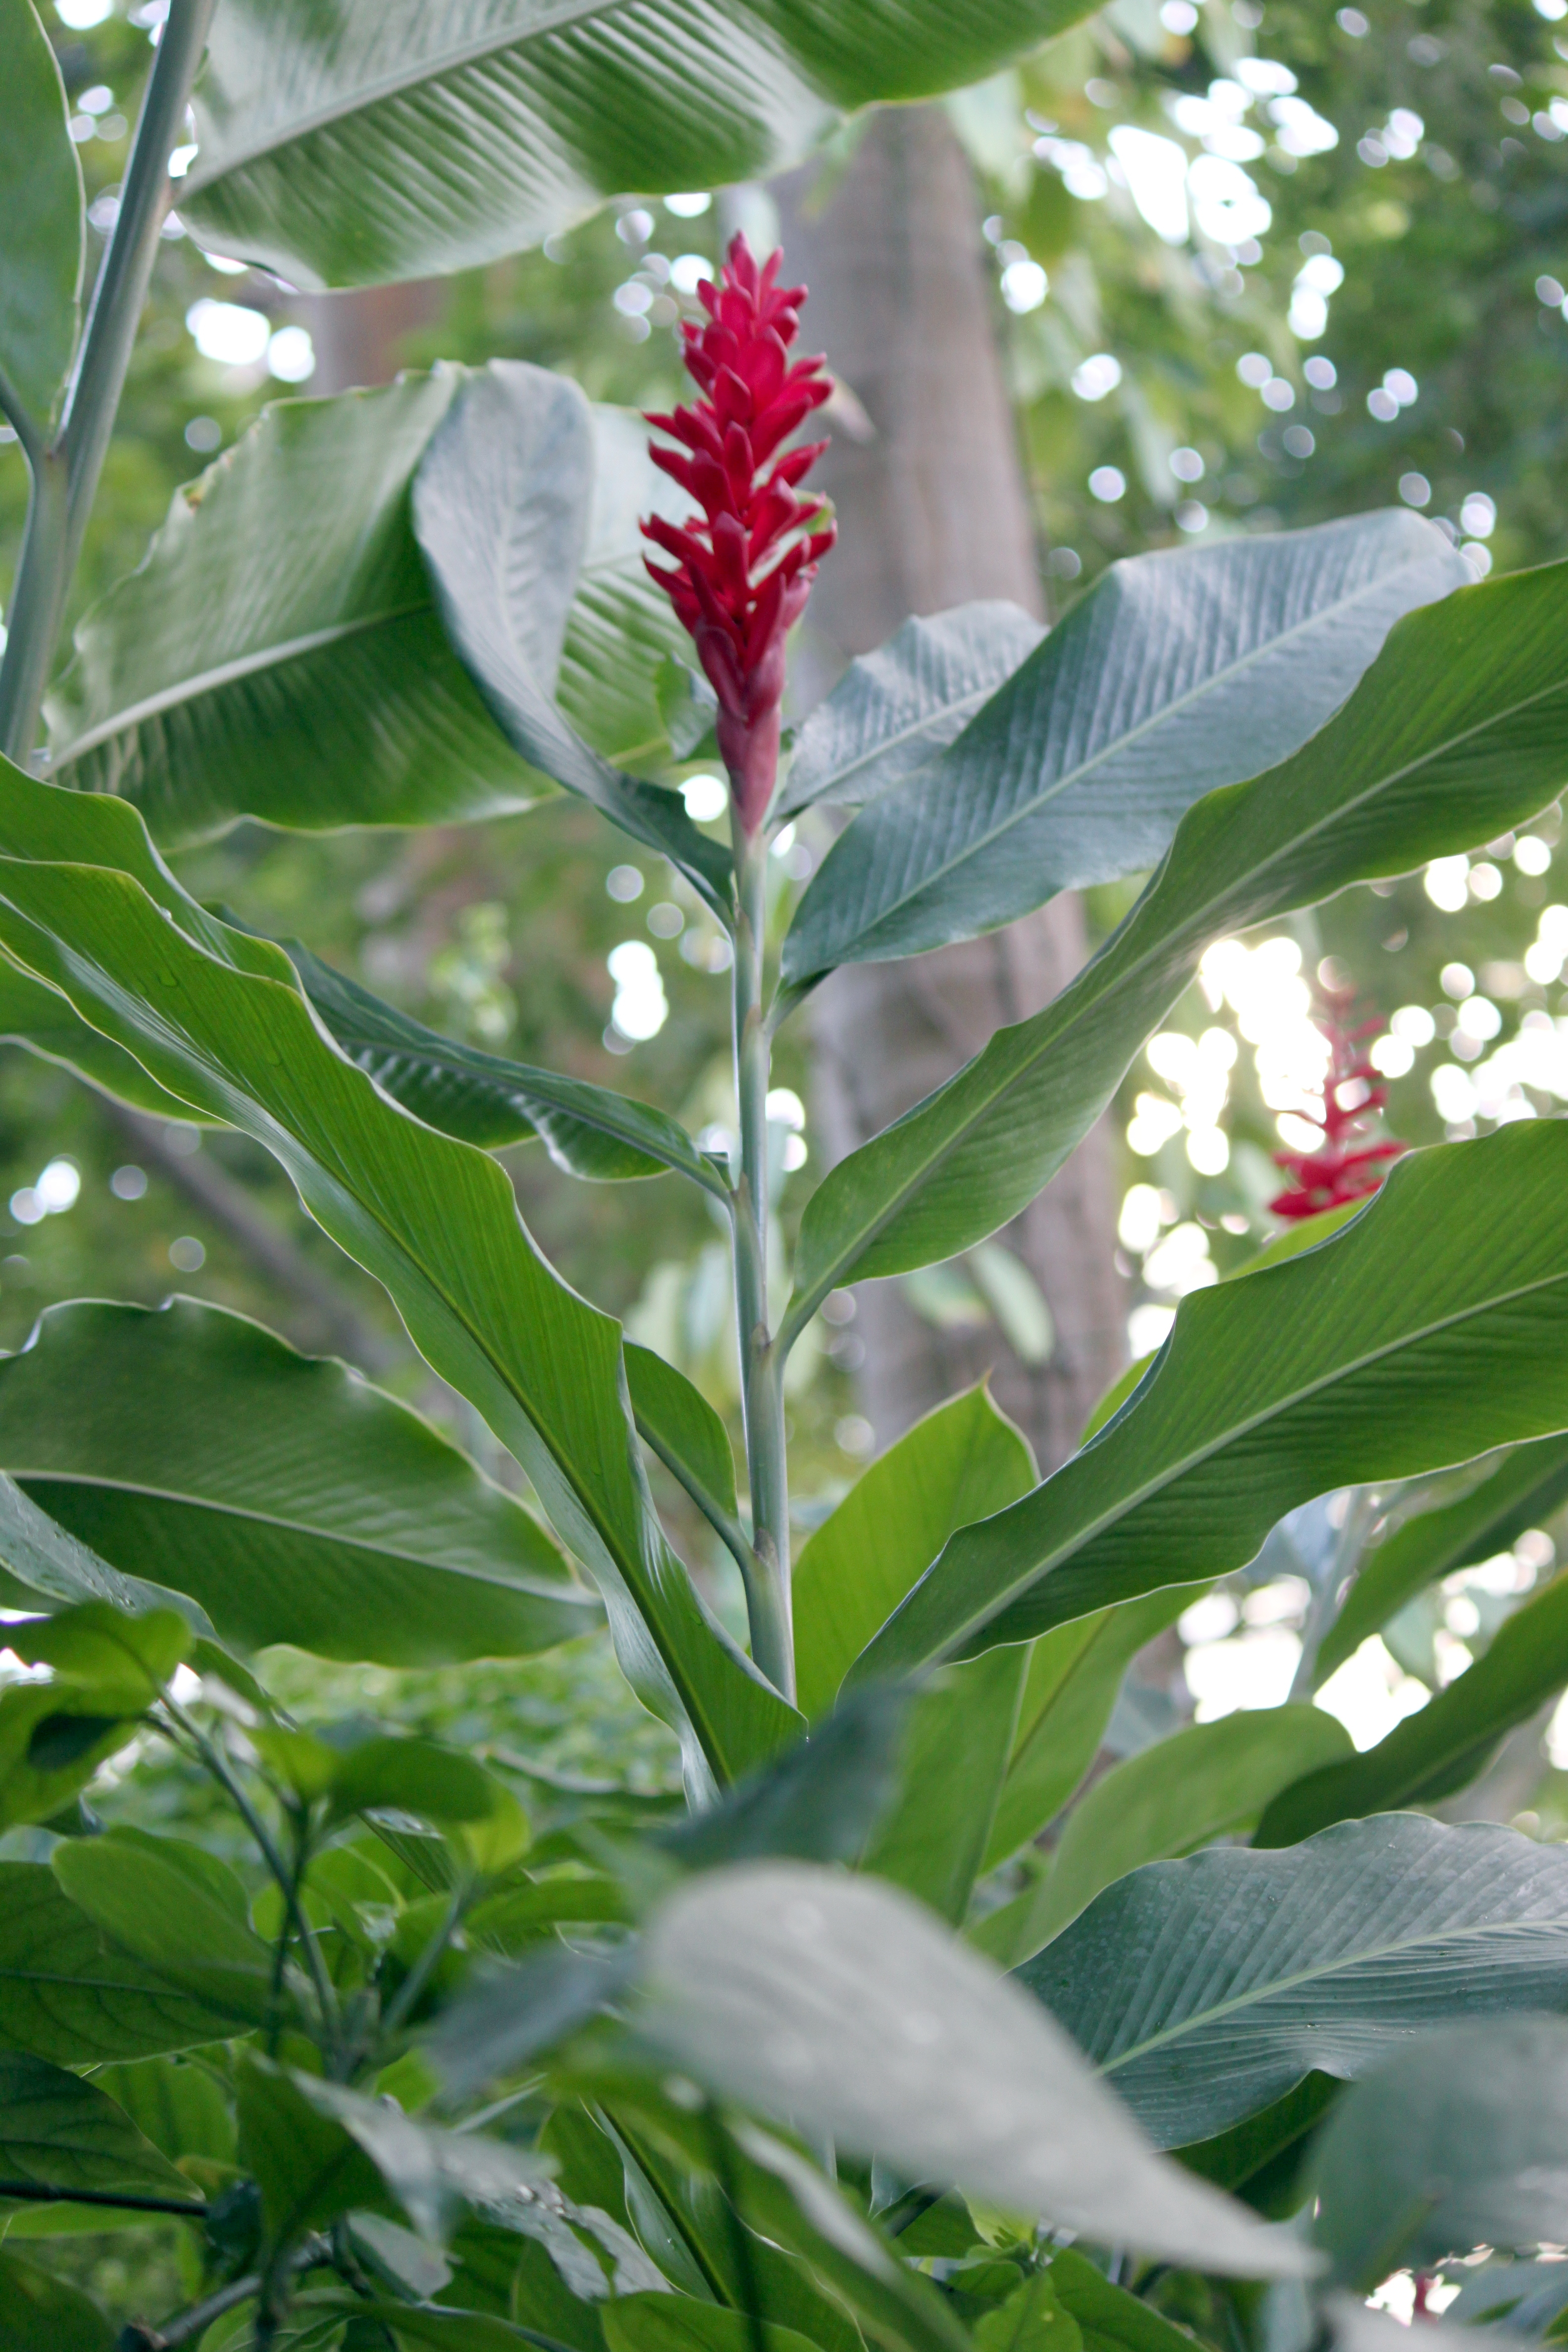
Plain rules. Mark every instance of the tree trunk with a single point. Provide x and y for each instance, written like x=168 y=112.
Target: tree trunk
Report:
x=933 y=510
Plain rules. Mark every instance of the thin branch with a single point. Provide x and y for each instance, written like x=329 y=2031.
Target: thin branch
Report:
x=33 y=2192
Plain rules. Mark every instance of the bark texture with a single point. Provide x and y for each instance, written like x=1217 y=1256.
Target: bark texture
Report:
x=933 y=510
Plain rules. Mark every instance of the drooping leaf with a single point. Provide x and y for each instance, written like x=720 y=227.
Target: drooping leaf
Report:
x=588 y=1130
x=147 y=1897
x=41 y=205
x=1203 y=1989
x=1395 y=1346
x=1454 y=733
x=962 y=1462
x=41 y=1020
x=1456 y=2142
x=500 y=509
x=346 y=146
x=219 y=1016
x=895 y=710
x=1522 y=1490
x=819 y=1801
x=70 y=1995
x=308 y=2167
x=292 y=1499
x=838 y=2002
x=46 y=2314
x=278 y=654
x=675 y=1418
x=1180 y=671
x=1209 y=1781
x=58 y=2132
x=1446 y=1743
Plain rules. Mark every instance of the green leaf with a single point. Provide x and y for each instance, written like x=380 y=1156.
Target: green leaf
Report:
x=1454 y=733
x=1069 y=1692
x=219 y=1016
x=1209 y=1781
x=414 y=1776
x=1395 y=1346
x=58 y=2132
x=1204 y=1990
x=43 y=1562
x=145 y=1895
x=962 y=1462
x=501 y=508
x=179 y=2106
x=677 y=1420
x=1243 y=2158
x=1180 y=671
x=1521 y=1490
x=70 y=1995
x=46 y=2313
x=51 y=1743
x=1453 y=2143
x=37 y=1018
x=41 y=205
x=1446 y=1743
x=294 y=1501
x=430 y=2172
x=680 y=2323
x=896 y=708
x=307 y=2167
x=932 y=1840
x=278 y=654
x=1031 y=2319
x=342 y=152
x=588 y=1130
x=819 y=1801
x=838 y=2002
x=106 y=1649
x=1109 y=2319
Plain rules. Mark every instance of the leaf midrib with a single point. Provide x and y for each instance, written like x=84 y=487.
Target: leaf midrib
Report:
x=974 y=843
x=849 y=1253
x=193 y=687
x=1202 y=2018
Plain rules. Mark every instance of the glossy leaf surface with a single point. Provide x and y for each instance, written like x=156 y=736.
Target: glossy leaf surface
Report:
x=62 y=2133
x=356 y=142
x=1521 y=1491
x=896 y=708
x=1449 y=1741
x=501 y=508
x=1203 y=1989
x=1209 y=1781
x=1181 y=670
x=219 y=1016
x=41 y=1020
x=41 y=205
x=1458 y=730
x=69 y=1994
x=838 y=2002
x=1392 y=1349
x=294 y=1501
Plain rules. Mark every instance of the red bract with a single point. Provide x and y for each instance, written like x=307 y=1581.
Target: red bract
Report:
x=745 y=565
x=1345 y=1167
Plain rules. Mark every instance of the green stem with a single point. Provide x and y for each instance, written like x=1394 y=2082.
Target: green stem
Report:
x=65 y=474
x=761 y=1367
x=425 y=1967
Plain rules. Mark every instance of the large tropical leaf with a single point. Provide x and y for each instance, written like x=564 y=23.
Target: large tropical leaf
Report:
x=839 y=2004
x=1446 y=1743
x=58 y=2132
x=37 y=1017
x=501 y=508
x=1458 y=730
x=896 y=708
x=1209 y=1781
x=41 y=204
x=66 y=1993
x=1521 y=1490
x=294 y=1502
x=1204 y=1988
x=218 y=1018
x=1435 y=1321
x=1454 y=2143
x=1183 y=670
x=588 y=1130
x=351 y=142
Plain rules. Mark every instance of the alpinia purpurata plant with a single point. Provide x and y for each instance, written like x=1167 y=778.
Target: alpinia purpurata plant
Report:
x=761 y=2076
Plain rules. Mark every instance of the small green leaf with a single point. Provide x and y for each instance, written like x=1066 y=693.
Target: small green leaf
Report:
x=1107 y=2318
x=51 y=1743
x=58 y=2132
x=46 y=2313
x=819 y=1801
x=41 y=205
x=309 y=2169
x=677 y=1420
x=416 y=1776
x=179 y=2106
x=128 y=1657
x=146 y=1895
x=69 y=1994
x=302 y=1763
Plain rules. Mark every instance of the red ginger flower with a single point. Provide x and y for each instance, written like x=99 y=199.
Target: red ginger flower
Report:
x=745 y=565
x=1345 y=1167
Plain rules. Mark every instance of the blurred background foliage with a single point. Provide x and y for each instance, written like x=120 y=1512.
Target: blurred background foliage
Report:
x=1255 y=267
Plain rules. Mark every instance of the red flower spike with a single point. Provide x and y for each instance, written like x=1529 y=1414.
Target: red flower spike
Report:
x=1345 y=1167
x=745 y=565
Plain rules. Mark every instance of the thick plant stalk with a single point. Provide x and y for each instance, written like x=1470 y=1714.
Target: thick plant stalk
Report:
x=65 y=470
